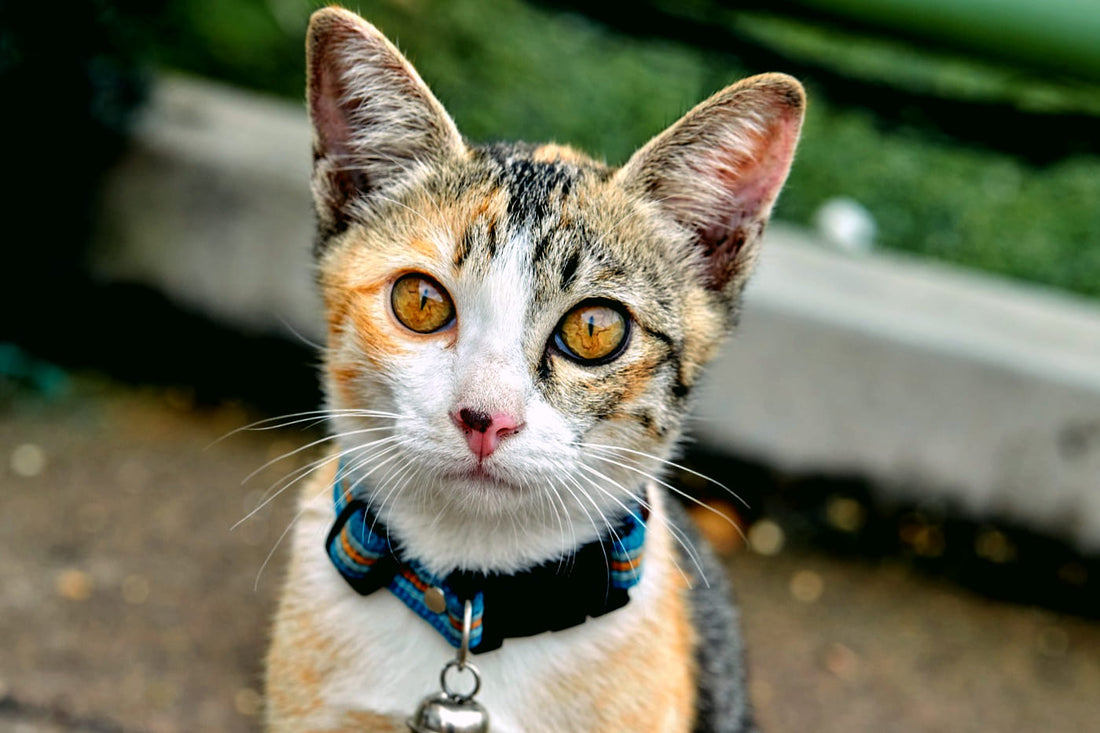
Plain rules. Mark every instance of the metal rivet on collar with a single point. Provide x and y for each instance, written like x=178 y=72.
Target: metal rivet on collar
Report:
x=435 y=600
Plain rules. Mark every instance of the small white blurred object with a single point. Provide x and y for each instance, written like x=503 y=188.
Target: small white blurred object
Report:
x=846 y=225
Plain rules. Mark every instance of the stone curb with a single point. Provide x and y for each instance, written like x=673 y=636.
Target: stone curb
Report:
x=931 y=382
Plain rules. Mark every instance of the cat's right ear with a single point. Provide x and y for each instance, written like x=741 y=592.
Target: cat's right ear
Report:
x=376 y=125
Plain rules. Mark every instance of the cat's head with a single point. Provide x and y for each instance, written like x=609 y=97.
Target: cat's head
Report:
x=514 y=331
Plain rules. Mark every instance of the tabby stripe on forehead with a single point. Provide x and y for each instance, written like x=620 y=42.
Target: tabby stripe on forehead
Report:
x=470 y=237
x=530 y=186
x=542 y=247
x=569 y=270
x=491 y=239
x=462 y=249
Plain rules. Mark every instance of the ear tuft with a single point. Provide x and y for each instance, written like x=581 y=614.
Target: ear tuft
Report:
x=717 y=171
x=376 y=124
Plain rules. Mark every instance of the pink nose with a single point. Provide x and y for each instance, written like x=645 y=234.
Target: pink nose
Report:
x=484 y=431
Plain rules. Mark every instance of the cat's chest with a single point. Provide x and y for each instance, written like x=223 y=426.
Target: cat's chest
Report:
x=396 y=659
x=386 y=659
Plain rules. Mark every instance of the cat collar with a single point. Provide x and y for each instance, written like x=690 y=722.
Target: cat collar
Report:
x=556 y=595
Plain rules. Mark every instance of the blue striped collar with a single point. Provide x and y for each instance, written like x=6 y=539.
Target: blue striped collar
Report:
x=556 y=595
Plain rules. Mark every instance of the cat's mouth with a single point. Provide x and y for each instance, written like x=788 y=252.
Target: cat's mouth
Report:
x=484 y=477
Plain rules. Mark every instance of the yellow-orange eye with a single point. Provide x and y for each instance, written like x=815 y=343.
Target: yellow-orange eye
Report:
x=421 y=304
x=593 y=333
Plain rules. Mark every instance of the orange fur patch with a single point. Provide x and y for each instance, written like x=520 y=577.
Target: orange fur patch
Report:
x=377 y=333
x=645 y=683
x=630 y=384
x=554 y=153
x=425 y=248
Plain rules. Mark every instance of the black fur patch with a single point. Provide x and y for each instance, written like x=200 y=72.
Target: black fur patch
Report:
x=462 y=249
x=722 y=704
x=680 y=390
x=532 y=186
x=542 y=248
x=569 y=269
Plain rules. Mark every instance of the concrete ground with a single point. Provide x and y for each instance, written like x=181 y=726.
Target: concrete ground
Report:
x=128 y=602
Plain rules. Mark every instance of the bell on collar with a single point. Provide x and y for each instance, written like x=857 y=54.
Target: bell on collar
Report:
x=450 y=711
x=442 y=713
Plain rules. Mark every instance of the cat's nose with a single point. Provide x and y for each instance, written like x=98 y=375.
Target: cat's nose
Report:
x=484 y=430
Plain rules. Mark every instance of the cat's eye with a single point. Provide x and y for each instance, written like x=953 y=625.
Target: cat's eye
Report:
x=421 y=304
x=595 y=332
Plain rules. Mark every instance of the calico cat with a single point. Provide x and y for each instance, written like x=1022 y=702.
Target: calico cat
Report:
x=514 y=333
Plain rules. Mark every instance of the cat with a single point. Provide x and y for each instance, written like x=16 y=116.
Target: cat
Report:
x=514 y=332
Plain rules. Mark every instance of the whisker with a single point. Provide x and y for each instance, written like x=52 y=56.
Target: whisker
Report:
x=297 y=334
x=672 y=464
x=674 y=489
x=551 y=495
x=678 y=534
x=690 y=551
x=301 y=473
x=350 y=491
x=279 y=541
x=359 y=463
x=556 y=494
x=307 y=446
x=351 y=450
x=591 y=520
x=296 y=418
x=272 y=493
x=388 y=484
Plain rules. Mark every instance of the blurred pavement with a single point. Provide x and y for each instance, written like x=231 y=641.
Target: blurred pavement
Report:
x=127 y=602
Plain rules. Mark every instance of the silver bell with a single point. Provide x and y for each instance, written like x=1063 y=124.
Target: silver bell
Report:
x=442 y=713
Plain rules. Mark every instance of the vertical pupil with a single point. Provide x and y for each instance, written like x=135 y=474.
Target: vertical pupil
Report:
x=421 y=304
x=592 y=333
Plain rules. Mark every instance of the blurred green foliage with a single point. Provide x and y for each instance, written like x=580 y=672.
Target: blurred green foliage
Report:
x=506 y=69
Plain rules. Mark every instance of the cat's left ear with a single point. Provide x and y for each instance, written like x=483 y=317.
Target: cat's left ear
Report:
x=718 y=170
x=376 y=125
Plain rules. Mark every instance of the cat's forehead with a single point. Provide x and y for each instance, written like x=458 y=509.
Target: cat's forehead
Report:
x=554 y=210
x=536 y=227
x=531 y=188
x=538 y=179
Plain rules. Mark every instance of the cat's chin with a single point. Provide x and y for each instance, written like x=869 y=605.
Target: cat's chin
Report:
x=479 y=480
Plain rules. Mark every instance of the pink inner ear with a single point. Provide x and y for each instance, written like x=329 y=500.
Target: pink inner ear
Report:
x=332 y=127
x=751 y=175
x=738 y=181
x=326 y=93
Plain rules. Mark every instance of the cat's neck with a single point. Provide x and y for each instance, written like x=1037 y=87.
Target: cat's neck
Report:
x=443 y=539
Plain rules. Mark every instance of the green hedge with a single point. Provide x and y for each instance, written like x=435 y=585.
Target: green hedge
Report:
x=506 y=69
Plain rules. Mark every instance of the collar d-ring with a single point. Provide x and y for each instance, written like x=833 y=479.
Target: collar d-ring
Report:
x=467 y=622
x=460 y=663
